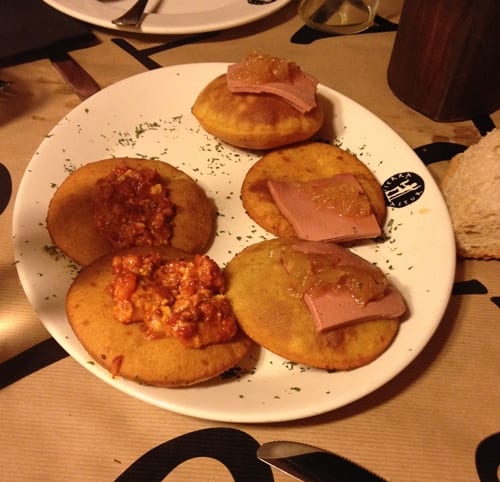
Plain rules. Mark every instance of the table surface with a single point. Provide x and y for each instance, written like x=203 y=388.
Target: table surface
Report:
x=62 y=423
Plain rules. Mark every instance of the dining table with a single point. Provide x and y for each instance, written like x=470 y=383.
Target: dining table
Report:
x=429 y=422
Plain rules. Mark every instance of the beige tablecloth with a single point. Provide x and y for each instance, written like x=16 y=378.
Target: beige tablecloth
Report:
x=61 y=423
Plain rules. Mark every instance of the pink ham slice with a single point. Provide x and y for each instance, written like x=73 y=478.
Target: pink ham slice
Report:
x=338 y=307
x=317 y=221
x=300 y=91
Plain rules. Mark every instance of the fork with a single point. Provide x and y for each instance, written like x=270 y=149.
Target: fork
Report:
x=132 y=17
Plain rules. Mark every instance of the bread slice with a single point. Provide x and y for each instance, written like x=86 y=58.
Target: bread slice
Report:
x=253 y=121
x=302 y=162
x=70 y=219
x=125 y=350
x=471 y=187
x=269 y=312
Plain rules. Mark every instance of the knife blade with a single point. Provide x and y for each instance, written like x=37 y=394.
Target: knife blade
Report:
x=74 y=75
x=312 y=464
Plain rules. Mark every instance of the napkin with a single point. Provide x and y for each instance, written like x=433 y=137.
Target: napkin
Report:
x=32 y=30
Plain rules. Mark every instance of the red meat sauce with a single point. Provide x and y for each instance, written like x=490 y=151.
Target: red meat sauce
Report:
x=132 y=208
x=177 y=298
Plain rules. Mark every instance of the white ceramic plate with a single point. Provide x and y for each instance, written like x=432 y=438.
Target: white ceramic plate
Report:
x=157 y=123
x=170 y=16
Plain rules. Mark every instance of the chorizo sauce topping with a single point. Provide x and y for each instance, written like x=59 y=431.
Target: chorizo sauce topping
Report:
x=132 y=208
x=314 y=273
x=179 y=298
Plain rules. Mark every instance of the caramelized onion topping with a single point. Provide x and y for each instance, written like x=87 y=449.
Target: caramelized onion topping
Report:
x=344 y=198
x=315 y=273
x=261 y=68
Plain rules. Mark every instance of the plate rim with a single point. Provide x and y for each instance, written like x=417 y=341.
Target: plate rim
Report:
x=196 y=412
x=151 y=27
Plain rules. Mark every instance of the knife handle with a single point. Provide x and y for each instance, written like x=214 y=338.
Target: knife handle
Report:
x=74 y=75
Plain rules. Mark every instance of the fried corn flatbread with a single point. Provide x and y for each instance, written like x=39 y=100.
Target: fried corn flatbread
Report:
x=70 y=220
x=253 y=121
x=164 y=362
x=259 y=290
x=304 y=162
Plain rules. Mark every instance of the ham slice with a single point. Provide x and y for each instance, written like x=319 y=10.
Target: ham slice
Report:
x=337 y=307
x=321 y=221
x=299 y=91
x=334 y=309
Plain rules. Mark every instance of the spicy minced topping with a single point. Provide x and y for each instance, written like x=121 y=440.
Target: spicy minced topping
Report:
x=132 y=208
x=179 y=298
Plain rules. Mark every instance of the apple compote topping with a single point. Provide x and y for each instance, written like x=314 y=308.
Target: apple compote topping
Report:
x=261 y=68
x=179 y=298
x=315 y=273
x=344 y=198
x=132 y=208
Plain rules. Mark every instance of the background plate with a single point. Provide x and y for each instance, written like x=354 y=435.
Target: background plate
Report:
x=170 y=16
x=265 y=387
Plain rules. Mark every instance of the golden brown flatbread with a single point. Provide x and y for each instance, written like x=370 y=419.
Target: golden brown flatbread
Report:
x=162 y=362
x=70 y=219
x=253 y=121
x=258 y=288
x=303 y=162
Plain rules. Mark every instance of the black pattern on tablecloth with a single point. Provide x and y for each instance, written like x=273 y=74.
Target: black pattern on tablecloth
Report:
x=488 y=458
x=235 y=449
x=5 y=187
x=30 y=361
x=49 y=351
x=307 y=35
x=144 y=55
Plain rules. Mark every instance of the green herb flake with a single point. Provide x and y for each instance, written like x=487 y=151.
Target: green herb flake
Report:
x=144 y=127
x=290 y=364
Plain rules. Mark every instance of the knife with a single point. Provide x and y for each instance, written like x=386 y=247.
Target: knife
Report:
x=74 y=75
x=312 y=464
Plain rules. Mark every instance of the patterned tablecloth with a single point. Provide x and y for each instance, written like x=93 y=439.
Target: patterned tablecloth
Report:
x=59 y=422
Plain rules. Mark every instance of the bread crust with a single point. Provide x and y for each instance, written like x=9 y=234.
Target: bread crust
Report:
x=164 y=362
x=70 y=219
x=471 y=188
x=303 y=162
x=282 y=323
x=253 y=121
